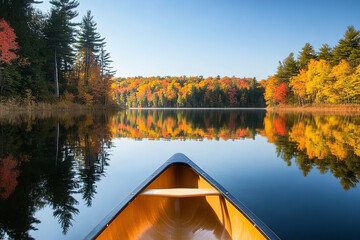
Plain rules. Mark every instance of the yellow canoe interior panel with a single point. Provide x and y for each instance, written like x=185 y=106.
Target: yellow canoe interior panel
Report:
x=180 y=205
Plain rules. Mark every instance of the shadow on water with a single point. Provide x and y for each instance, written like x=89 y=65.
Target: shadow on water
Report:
x=45 y=162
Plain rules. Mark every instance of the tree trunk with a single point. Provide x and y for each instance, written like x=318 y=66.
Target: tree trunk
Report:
x=87 y=66
x=56 y=77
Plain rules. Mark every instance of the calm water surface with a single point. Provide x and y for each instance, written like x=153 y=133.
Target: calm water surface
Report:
x=60 y=176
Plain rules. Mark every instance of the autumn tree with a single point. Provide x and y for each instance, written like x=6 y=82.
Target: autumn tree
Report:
x=91 y=89
x=189 y=91
x=46 y=51
x=298 y=86
x=232 y=97
x=330 y=79
x=355 y=81
x=270 y=88
x=280 y=93
x=8 y=46
x=343 y=87
x=317 y=80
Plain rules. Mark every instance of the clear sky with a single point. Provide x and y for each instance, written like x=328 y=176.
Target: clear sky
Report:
x=214 y=37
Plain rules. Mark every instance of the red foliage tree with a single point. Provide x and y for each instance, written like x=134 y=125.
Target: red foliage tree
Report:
x=7 y=43
x=280 y=93
x=232 y=97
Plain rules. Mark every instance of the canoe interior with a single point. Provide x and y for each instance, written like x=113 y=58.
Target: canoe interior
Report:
x=163 y=217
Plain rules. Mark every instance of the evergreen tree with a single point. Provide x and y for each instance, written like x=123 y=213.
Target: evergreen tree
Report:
x=348 y=47
x=104 y=61
x=280 y=74
x=325 y=53
x=90 y=41
x=253 y=92
x=287 y=69
x=60 y=35
x=306 y=53
x=290 y=66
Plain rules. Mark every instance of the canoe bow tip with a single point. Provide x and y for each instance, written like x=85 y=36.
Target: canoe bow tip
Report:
x=179 y=157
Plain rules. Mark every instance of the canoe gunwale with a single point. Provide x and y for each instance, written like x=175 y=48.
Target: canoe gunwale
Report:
x=181 y=159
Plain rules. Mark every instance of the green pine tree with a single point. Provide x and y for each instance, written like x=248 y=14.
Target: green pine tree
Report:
x=90 y=41
x=287 y=69
x=60 y=35
x=306 y=53
x=325 y=53
x=348 y=48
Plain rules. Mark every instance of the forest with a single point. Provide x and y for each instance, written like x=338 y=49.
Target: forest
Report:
x=329 y=76
x=48 y=57
x=188 y=92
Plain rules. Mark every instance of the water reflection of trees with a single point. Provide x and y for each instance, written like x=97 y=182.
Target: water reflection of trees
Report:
x=329 y=143
x=188 y=124
x=47 y=163
x=58 y=161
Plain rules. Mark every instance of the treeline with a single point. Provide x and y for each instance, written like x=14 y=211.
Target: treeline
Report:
x=47 y=57
x=331 y=75
x=188 y=92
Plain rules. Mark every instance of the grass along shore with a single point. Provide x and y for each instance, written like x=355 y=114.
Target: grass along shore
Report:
x=318 y=108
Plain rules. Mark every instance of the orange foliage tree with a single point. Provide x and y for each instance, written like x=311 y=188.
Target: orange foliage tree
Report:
x=280 y=93
x=88 y=83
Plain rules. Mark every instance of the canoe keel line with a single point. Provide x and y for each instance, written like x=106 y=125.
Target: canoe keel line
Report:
x=180 y=201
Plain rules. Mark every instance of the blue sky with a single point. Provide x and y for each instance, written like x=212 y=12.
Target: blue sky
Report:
x=214 y=37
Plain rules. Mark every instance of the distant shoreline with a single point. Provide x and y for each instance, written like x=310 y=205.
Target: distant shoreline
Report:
x=320 y=108
x=170 y=108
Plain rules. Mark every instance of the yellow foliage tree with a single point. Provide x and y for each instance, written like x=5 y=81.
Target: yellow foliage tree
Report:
x=342 y=85
x=298 y=83
x=270 y=88
x=317 y=78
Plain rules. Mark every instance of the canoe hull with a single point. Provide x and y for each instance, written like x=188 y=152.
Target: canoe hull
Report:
x=204 y=216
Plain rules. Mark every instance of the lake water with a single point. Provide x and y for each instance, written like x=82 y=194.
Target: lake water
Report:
x=299 y=173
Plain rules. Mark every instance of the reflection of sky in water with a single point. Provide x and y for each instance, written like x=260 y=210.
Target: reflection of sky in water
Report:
x=250 y=169
x=279 y=195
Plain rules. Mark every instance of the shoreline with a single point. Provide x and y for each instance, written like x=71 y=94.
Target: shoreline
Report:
x=13 y=109
x=199 y=108
x=320 y=108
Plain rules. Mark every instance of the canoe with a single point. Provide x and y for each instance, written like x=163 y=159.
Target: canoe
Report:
x=181 y=201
